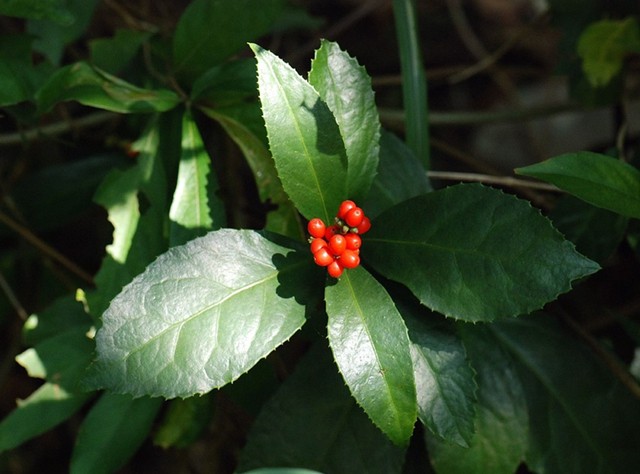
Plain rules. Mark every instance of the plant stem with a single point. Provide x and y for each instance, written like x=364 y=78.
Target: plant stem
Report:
x=509 y=181
x=45 y=248
x=414 y=82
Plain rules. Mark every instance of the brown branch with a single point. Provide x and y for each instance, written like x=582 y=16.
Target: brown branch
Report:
x=508 y=181
x=45 y=248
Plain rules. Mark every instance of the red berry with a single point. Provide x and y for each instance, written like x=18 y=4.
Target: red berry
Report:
x=337 y=244
x=349 y=259
x=317 y=244
x=354 y=217
x=335 y=269
x=316 y=227
x=330 y=232
x=345 y=207
x=322 y=257
x=364 y=226
x=353 y=241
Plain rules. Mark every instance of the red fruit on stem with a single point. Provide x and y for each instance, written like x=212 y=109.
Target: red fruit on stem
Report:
x=337 y=244
x=349 y=259
x=322 y=257
x=364 y=226
x=334 y=269
x=316 y=227
x=330 y=232
x=345 y=207
x=354 y=217
x=353 y=241
x=317 y=244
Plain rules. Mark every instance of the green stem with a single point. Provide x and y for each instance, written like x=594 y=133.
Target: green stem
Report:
x=414 y=82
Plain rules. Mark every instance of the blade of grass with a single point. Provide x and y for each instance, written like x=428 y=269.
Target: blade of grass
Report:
x=414 y=82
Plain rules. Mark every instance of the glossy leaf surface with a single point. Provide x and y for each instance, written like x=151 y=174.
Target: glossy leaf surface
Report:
x=95 y=88
x=400 y=176
x=346 y=88
x=461 y=249
x=313 y=422
x=597 y=179
x=201 y=315
x=445 y=385
x=500 y=440
x=210 y=31
x=303 y=137
x=196 y=208
x=582 y=419
x=372 y=349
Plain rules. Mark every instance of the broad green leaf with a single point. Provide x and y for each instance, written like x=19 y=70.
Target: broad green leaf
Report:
x=136 y=202
x=445 y=384
x=183 y=421
x=461 y=249
x=603 y=46
x=202 y=314
x=346 y=88
x=53 y=10
x=597 y=179
x=501 y=438
x=60 y=359
x=95 y=88
x=372 y=349
x=115 y=53
x=284 y=219
x=44 y=409
x=53 y=36
x=19 y=78
x=400 y=176
x=304 y=138
x=230 y=83
x=196 y=208
x=582 y=418
x=210 y=31
x=62 y=316
x=112 y=431
x=312 y=422
x=595 y=231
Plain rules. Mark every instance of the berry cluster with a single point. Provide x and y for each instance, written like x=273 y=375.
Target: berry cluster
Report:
x=338 y=246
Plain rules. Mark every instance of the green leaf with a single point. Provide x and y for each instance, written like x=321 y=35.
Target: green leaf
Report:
x=230 y=83
x=597 y=179
x=52 y=35
x=210 y=31
x=19 y=79
x=445 y=383
x=44 y=409
x=582 y=418
x=460 y=250
x=111 y=432
x=136 y=202
x=414 y=82
x=113 y=54
x=202 y=314
x=95 y=88
x=53 y=10
x=501 y=438
x=304 y=138
x=184 y=420
x=603 y=46
x=196 y=207
x=400 y=176
x=284 y=219
x=595 y=231
x=281 y=470
x=312 y=422
x=346 y=88
x=372 y=349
